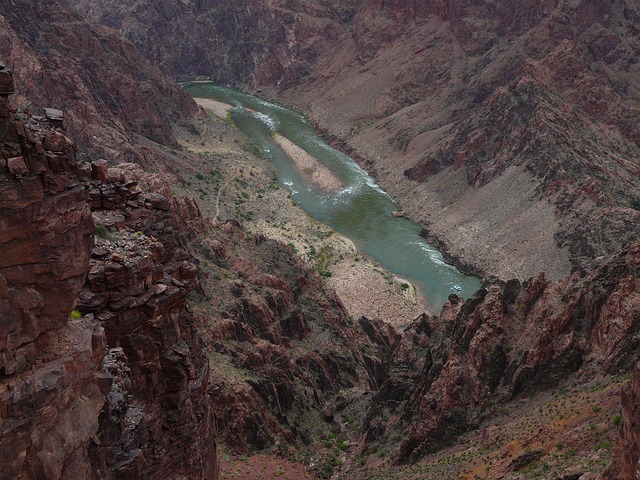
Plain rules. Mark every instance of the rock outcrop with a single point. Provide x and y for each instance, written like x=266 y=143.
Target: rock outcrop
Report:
x=505 y=340
x=625 y=462
x=283 y=344
x=158 y=418
x=102 y=374
x=50 y=380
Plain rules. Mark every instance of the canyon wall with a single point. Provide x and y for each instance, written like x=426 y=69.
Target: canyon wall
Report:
x=102 y=374
x=507 y=340
x=626 y=456
x=106 y=88
x=158 y=418
x=50 y=390
x=286 y=355
x=507 y=129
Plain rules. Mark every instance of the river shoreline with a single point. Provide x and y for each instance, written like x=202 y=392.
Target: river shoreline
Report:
x=308 y=166
x=468 y=266
x=464 y=264
x=220 y=109
x=364 y=287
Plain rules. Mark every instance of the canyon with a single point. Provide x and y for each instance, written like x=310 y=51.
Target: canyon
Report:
x=139 y=339
x=446 y=102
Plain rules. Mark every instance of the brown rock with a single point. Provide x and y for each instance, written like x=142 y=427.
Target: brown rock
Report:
x=100 y=170
x=49 y=398
x=625 y=460
x=17 y=166
x=478 y=347
x=159 y=369
x=52 y=389
x=158 y=201
x=55 y=116
x=6 y=80
x=116 y=257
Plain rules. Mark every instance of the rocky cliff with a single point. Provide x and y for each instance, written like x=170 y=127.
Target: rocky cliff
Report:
x=626 y=457
x=285 y=353
x=231 y=43
x=99 y=357
x=506 y=340
x=106 y=88
x=136 y=287
x=50 y=389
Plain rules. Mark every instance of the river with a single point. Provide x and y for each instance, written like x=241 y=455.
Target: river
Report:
x=360 y=210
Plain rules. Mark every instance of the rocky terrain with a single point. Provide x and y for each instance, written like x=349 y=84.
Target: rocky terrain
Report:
x=136 y=288
x=505 y=342
x=109 y=93
x=149 y=335
x=102 y=346
x=100 y=358
x=626 y=457
x=46 y=358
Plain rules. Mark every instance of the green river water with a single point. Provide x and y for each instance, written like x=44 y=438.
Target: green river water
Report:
x=361 y=211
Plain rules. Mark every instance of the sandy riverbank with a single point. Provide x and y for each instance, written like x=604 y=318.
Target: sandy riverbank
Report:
x=220 y=109
x=364 y=287
x=309 y=167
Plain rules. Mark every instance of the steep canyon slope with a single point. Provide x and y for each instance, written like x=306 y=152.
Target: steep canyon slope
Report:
x=101 y=372
x=104 y=373
x=507 y=128
x=107 y=90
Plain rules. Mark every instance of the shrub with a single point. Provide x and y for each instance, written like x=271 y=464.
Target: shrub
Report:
x=101 y=231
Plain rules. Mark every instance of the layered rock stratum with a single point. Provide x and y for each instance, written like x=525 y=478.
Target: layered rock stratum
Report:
x=106 y=88
x=102 y=374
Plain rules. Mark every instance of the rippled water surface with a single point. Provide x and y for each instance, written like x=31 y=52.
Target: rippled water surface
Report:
x=361 y=211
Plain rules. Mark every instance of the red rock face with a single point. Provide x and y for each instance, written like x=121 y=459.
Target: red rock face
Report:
x=45 y=358
x=625 y=461
x=506 y=340
x=406 y=11
x=107 y=90
x=283 y=344
x=118 y=389
x=158 y=418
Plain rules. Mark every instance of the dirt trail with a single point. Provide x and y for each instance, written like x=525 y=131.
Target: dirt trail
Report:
x=214 y=221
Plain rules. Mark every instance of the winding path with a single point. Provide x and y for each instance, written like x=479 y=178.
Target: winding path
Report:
x=214 y=222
